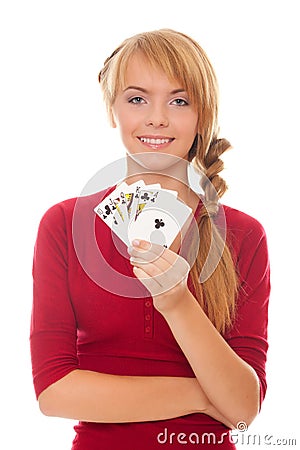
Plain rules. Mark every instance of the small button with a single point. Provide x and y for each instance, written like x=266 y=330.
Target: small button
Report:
x=147 y=329
x=147 y=317
x=148 y=304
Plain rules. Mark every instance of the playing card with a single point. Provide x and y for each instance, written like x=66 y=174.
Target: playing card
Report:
x=121 y=206
x=146 y=196
x=113 y=210
x=120 y=227
x=129 y=193
x=175 y=193
x=136 y=198
x=160 y=222
x=107 y=208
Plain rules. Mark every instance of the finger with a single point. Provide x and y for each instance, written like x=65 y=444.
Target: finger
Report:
x=152 y=269
x=144 y=257
x=149 y=272
x=154 y=265
x=153 y=286
x=146 y=250
x=146 y=247
x=173 y=266
x=142 y=244
x=156 y=285
x=157 y=266
x=164 y=273
x=140 y=273
x=150 y=252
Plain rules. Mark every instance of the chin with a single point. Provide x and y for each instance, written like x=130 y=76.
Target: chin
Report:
x=155 y=161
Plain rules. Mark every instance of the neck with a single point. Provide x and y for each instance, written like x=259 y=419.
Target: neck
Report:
x=157 y=168
x=169 y=171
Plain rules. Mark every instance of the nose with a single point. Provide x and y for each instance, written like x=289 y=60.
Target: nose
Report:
x=157 y=117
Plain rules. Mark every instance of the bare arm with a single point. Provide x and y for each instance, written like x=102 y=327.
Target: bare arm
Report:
x=97 y=397
x=230 y=384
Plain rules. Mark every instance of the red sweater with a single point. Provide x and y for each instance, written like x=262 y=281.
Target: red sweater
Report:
x=90 y=312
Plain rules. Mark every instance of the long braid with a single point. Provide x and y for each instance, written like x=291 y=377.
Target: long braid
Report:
x=214 y=267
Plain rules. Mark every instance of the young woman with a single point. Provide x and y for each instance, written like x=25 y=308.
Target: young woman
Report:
x=183 y=362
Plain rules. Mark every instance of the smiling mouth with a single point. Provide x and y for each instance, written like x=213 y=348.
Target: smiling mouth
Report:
x=155 y=141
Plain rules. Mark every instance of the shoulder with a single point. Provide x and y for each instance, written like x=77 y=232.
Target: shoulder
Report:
x=245 y=234
x=241 y=221
x=242 y=224
x=57 y=225
x=63 y=212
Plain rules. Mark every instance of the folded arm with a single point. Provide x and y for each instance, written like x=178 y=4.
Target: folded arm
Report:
x=97 y=397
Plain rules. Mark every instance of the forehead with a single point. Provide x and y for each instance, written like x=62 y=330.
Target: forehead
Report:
x=141 y=71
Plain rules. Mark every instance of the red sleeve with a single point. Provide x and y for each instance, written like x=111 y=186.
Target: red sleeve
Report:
x=248 y=336
x=53 y=325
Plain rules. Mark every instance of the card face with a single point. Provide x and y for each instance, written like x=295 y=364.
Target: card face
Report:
x=131 y=194
x=161 y=222
x=136 y=198
x=146 y=196
x=107 y=208
x=120 y=205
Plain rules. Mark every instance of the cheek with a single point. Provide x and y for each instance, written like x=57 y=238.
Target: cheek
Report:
x=125 y=122
x=121 y=126
x=189 y=128
x=188 y=123
x=118 y=115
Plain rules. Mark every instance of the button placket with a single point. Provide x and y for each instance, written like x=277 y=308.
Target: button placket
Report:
x=148 y=319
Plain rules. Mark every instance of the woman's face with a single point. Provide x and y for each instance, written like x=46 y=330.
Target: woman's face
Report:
x=153 y=113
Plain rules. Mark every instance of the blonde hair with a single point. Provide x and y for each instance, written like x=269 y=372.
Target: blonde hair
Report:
x=182 y=59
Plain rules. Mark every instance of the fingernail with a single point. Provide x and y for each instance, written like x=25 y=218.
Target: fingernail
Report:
x=136 y=242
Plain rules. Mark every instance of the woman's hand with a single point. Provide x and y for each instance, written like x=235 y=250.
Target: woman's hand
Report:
x=163 y=272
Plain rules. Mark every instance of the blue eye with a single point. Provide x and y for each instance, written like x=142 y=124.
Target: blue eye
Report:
x=136 y=100
x=180 y=102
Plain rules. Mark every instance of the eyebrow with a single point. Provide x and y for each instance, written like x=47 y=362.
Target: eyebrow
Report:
x=138 y=88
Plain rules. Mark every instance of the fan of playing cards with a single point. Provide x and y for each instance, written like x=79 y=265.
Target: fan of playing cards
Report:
x=140 y=211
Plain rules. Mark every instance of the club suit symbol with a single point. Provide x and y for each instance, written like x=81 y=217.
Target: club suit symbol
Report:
x=145 y=196
x=108 y=211
x=159 y=223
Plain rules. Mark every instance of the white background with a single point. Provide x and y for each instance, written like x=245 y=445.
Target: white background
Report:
x=55 y=136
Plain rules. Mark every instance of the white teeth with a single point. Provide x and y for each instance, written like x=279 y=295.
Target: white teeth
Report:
x=155 y=141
